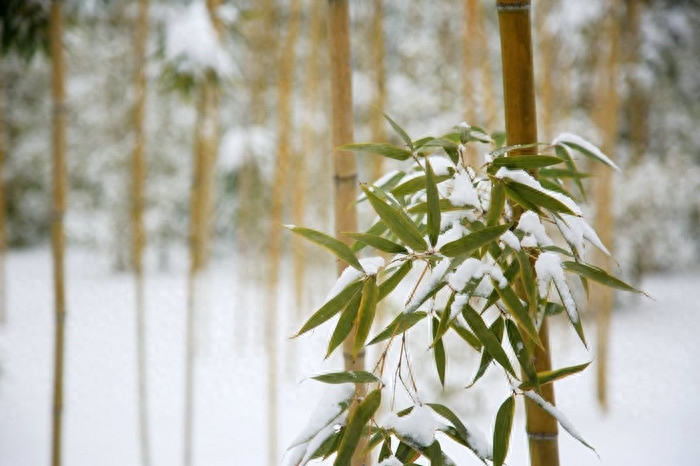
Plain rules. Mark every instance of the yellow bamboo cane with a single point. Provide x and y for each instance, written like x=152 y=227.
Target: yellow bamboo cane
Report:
x=59 y=207
x=521 y=128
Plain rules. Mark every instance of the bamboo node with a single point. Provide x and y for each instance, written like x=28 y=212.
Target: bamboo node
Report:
x=60 y=108
x=540 y=437
x=344 y=178
x=506 y=5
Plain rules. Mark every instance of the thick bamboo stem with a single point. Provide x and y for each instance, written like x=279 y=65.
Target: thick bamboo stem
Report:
x=607 y=120
x=521 y=128
x=279 y=187
x=3 y=214
x=59 y=207
x=344 y=163
x=139 y=233
x=469 y=64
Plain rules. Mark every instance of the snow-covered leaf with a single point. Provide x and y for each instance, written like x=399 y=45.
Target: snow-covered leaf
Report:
x=535 y=197
x=471 y=439
x=359 y=417
x=526 y=162
x=470 y=243
x=584 y=147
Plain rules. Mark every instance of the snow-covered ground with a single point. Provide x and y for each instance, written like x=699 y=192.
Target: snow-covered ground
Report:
x=654 y=377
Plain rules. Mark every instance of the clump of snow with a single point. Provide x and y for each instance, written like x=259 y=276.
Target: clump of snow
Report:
x=463 y=192
x=453 y=233
x=441 y=166
x=479 y=443
x=430 y=280
x=372 y=265
x=457 y=305
x=555 y=413
x=418 y=426
x=192 y=44
x=575 y=230
x=473 y=268
x=323 y=435
x=349 y=275
x=548 y=269
x=508 y=238
x=535 y=235
x=568 y=138
x=328 y=410
x=391 y=461
x=523 y=177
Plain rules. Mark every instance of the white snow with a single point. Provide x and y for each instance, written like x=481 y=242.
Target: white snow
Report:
x=535 y=234
x=457 y=305
x=554 y=412
x=430 y=280
x=391 y=461
x=566 y=138
x=575 y=230
x=372 y=265
x=418 y=426
x=548 y=269
x=473 y=268
x=453 y=233
x=327 y=410
x=349 y=275
x=441 y=165
x=523 y=177
x=463 y=192
x=509 y=239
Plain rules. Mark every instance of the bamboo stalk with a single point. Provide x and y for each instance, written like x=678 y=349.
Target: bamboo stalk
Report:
x=469 y=63
x=139 y=233
x=344 y=163
x=547 y=64
x=377 y=124
x=274 y=247
x=3 y=214
x=58 y=208
x=607 y=121
x=521 y=128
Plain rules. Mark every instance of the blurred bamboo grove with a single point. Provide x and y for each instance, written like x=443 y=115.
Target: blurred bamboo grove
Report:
x=207 y=125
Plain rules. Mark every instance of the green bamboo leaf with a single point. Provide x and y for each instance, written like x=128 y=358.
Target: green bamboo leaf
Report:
x=400 y=324
x=560 y=173
x=405 y=453
x=415 y=184
x=496 y=329
x=444 y=320
x=501 y=433
x=498 y=138
x=552 y=309
x=518 y=311
x=516 y=197
x=488 y=339
x=365 y=317
x=378 y=242
x=384 y=149
x=329 y=446
x=433 y=200
x=528 y=280
x=337 y=247
x=546 y=377
x=538 y=198
x=470 y=243
x=439 y=353
x=347 y=377
x=522 y=353
x=386 y=450
x=527 y=162
x=378 y=229
x=511 y=272
x=357 y=421
x=591 y=152
x=331 y=307
x=462 y=432
x=434 y=453
x=466 y=335
x=497 y=203
x=345 y=324
x=397 y=221
x=598 y=275
x=564 y=153
x=388 y=285
x=445 y=206
x=501 y=151
x=400 y=131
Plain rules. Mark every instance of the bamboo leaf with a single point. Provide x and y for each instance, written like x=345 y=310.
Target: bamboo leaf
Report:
x=377 y=230
x=345 y=324
x=434 y=453
x=365 y=317
x=528 y=280
x=546 y=377
x=444 y=320
x=445 y=206
x=563 y=152
x=384 y=149
x=400 y=324
x=501 y=151
x=388 y=285
x=466 y=335
x=337 y=247
x=519 y=313
x=538 y=198
x=461 y=429
x=516 y=197
x=488 y=339
x=415 y=184
x=378 y=242
x=400 y=131
x=598 y=275
x=497 y=203
x=591 y=152
x=397 y=221
x=347 y=377
x=559 y=173
x=356 y=423
x=438 y=353
x=501 y=433
x=329 y=446
x=433 y=201
x=496 y=329
x=527 y=162
x=470 y=243
x=386 y=451
x=331 y=308
x=522 y=353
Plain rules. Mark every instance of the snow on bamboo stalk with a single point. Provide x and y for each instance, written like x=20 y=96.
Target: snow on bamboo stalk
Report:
x=287 y=62
x=138 y=179
x=607 y=121
x=521 y=128
x=58 y=210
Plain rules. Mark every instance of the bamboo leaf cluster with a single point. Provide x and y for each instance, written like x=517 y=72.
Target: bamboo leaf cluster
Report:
x=487 y=252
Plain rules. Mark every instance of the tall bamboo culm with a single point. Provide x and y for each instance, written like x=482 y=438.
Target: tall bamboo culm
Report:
x=279 y=187
x=344 y=163
x=3 y=214
x=378 y=125
x=608 y=106
x=138 y=174
x=521 y=128
x=58 y=208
